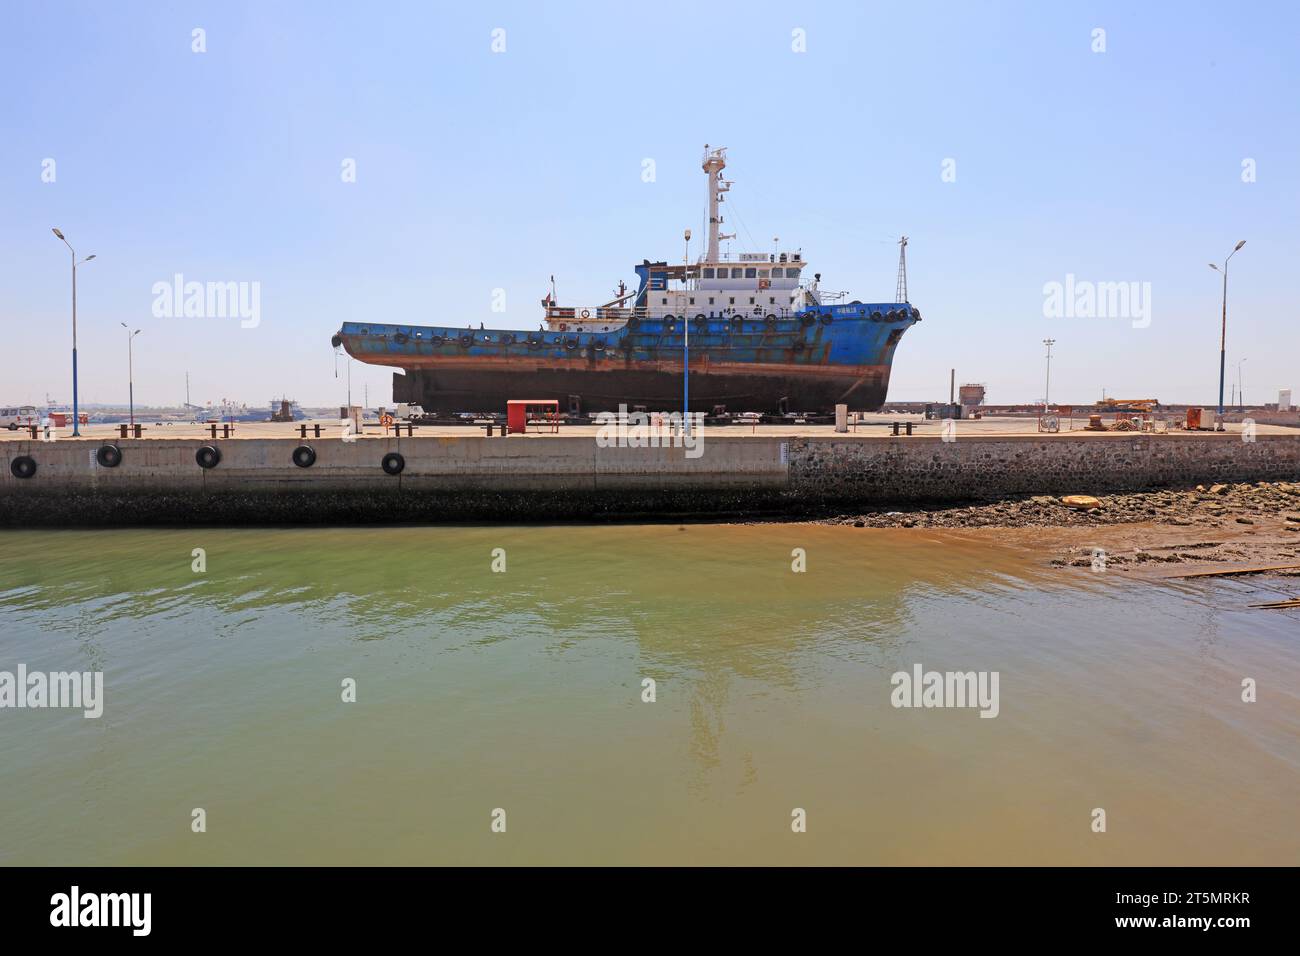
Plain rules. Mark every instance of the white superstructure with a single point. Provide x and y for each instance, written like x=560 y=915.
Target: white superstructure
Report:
x=716 y=285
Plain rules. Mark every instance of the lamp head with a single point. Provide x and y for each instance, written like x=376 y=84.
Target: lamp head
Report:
x=1239 y=245
x=59 y=234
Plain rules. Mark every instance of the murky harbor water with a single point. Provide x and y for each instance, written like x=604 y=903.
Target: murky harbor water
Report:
x=522 y=690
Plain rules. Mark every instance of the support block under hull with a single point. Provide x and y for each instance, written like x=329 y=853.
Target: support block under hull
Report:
x=461 y=389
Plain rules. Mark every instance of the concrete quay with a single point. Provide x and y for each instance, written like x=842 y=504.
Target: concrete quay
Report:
x=735 y=472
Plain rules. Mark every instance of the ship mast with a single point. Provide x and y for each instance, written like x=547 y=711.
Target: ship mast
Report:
x=900 y=290
x=715 y=161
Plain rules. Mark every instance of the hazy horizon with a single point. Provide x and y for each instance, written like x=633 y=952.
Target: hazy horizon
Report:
x=406 y=163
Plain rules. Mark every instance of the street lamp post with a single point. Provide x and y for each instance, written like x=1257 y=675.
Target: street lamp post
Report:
x=1223 y=333
x=1047 y=387
x=686 y=342
x=76 y=417
x=130 y=369
x=1241 y=388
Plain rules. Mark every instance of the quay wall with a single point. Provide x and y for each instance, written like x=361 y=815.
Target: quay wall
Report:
x=572 y=478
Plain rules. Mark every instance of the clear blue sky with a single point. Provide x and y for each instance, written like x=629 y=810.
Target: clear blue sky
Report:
x=478 y=171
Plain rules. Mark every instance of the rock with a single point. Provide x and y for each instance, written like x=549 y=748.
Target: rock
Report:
x=859 y=523
x=1217 y=489
x=1082 y=502
x=1244 y=521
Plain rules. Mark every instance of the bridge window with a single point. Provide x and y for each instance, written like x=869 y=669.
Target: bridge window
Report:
x=763 y=273
x=708 y=273
x=737 y=273
x=751 y=273
x=792 y=273
x=778 y=273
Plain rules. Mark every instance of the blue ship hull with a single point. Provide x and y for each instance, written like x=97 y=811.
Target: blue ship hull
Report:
x=808 y=362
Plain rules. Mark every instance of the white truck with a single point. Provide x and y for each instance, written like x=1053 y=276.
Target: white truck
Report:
x=408 y=412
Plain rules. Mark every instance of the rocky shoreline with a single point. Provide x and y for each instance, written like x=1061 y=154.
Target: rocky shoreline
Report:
x=1215 y=529
x=1213 y=506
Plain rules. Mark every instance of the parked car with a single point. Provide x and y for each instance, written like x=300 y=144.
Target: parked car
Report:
x=15 y=417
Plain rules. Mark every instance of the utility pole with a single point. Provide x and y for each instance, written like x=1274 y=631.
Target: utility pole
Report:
x=1047 y=388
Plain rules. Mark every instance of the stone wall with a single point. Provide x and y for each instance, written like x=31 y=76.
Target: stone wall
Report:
x=928 y=469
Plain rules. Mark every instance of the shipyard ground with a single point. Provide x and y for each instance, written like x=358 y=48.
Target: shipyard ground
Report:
x=876 y=425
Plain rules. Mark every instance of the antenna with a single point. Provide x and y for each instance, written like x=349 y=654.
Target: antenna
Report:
x=900 y=291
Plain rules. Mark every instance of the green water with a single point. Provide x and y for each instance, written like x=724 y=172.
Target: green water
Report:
x=522 y=691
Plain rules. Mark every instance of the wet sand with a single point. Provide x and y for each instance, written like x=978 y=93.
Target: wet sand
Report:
x=1166 y=533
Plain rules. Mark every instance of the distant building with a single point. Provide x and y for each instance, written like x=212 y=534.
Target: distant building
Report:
x=971 y=394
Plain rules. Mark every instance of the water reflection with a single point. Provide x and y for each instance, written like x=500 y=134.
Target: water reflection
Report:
x=772 y=687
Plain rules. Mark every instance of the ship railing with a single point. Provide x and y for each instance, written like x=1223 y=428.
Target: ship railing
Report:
x=597 y=316
x=593 y=313
x=747 y=258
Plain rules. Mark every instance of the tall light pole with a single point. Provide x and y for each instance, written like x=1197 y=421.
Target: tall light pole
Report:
x=76 y=417
x=686 y=342
x=1223 y=334
x=1047 y=388
x=1241 y=388
x=130 y=369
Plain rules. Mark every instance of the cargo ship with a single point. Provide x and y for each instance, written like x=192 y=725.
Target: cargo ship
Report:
x=754 y=331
